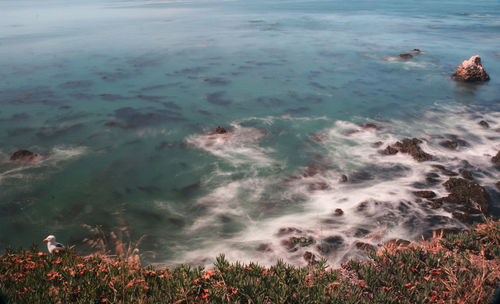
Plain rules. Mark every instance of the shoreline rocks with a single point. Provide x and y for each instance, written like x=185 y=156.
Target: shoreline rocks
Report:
x=218 y=130
x=408 y=146
x=471 y=70
x=23 y=156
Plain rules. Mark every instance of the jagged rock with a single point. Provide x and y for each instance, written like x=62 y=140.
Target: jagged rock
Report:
x=484 y=124
x=408 y=146
x=218 y=130
x=310 y=258
x=405 y=56
x=463 y=191
x=496 y=159
x=362 y=206
x=466 y=174
x=339 y=212
x=471 y=70
x=389 y=150
x=425 y=194
x=23 y=156
x=292 y=242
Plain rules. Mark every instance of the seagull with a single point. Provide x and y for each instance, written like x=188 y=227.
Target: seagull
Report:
x=52 y=245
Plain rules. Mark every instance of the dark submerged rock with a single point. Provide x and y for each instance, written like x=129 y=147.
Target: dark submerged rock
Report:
x=218 y=130
x=318 y=186
x=405 y=56
x=471 y=70
x=432 y=178
x=445 y=171
x=497 y=184
x=264 y=248
x=484 y=124
x=377 y=144
x=425 y=194
x=343 y=178
x=408 y=146
x=331 y=243
x=416 y=51
x=23 y=156
x=454 y=143
x=339 y=212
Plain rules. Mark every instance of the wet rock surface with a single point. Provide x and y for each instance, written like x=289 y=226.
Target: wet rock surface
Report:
x=484 y=124
x=465 y=193
x=338 y=212
x=408 y=146
x=453 y=144
x=466 y=174
x=471 y=70
x=425 y=194
x=405 y=56
x=23 y=156
x=218 y=130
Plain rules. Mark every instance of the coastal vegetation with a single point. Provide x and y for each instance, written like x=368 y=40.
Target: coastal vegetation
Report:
x=461 y=267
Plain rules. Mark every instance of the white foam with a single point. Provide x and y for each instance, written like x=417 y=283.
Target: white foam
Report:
x=390 y=209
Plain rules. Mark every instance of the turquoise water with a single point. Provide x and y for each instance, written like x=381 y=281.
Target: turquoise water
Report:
x=119 y=96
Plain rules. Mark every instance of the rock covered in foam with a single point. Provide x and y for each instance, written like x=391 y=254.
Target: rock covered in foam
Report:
x=471 y=70
x=23 y=156
x=408 y=146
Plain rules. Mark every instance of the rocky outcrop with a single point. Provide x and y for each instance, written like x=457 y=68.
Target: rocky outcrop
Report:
x=218 y=130
x=463 y=191
x=471 y=71
x=425 y=194
x=408 y=146
x=23 y=156
x=405 y=56
x=454 y=143
x=484 y=124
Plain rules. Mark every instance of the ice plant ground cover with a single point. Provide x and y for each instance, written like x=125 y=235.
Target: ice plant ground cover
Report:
x=452 y=268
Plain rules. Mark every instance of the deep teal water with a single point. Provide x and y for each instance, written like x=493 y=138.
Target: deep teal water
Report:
x=119 y=96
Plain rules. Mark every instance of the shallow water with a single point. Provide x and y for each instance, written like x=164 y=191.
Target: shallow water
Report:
x=119 y=97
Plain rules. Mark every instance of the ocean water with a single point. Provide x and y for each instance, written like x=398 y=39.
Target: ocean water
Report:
x=119 y=98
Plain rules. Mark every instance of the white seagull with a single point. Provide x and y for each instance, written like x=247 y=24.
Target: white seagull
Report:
x=52 y=245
